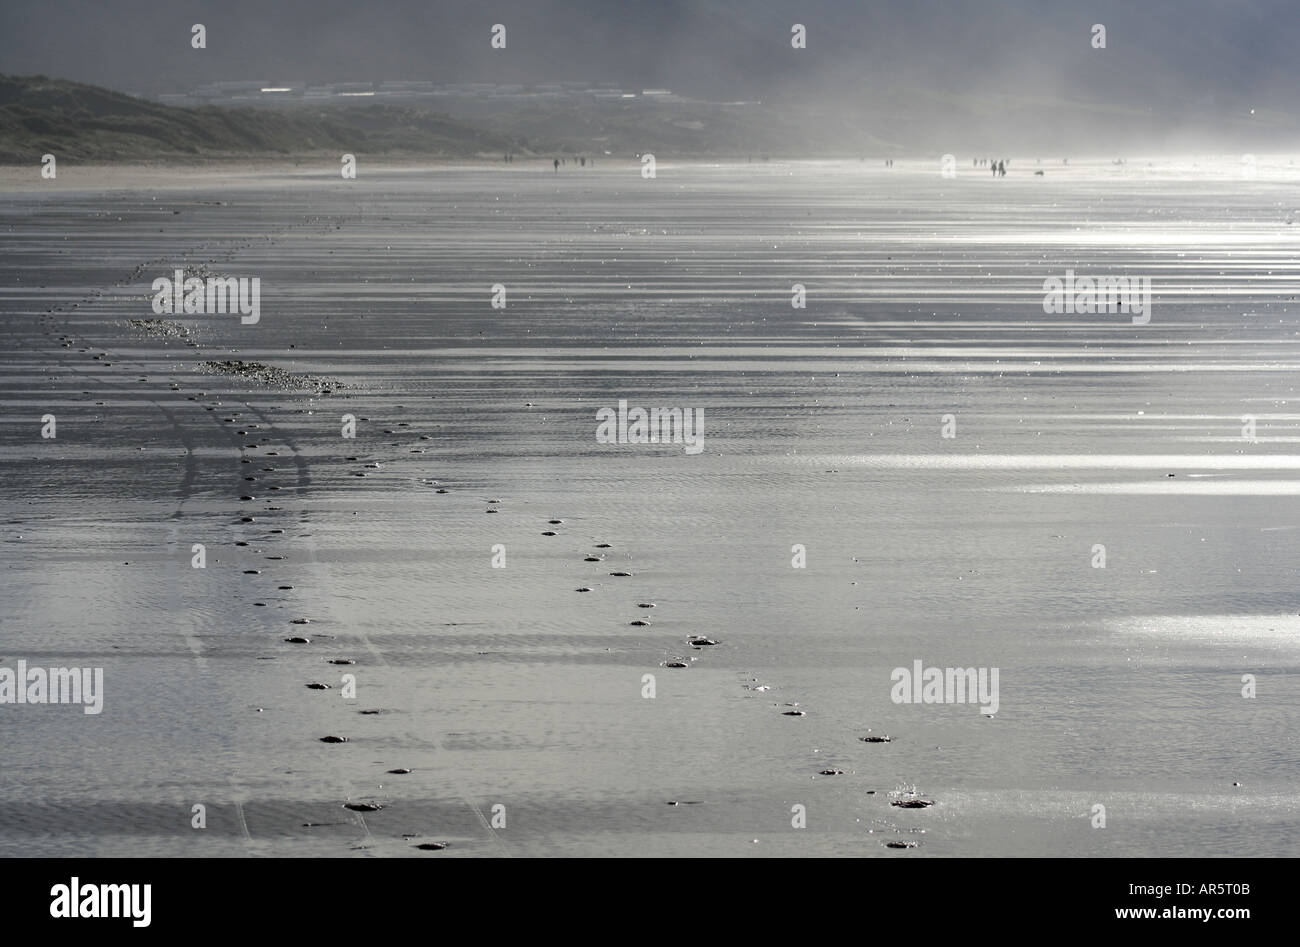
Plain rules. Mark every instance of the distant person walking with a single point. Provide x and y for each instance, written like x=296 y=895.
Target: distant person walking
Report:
x=556 y=162
x=1002 y=168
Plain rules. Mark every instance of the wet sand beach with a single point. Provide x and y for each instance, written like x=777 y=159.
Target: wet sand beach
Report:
x=424 y=550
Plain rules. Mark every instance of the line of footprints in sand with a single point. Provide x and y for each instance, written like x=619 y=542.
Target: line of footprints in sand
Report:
x=359 y=806
x=68 y=340
x=904 y=799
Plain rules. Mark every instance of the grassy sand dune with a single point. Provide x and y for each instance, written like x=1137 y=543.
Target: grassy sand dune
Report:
x=72 y=120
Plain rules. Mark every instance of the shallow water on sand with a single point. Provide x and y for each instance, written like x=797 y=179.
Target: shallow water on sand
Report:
x=1119 y=686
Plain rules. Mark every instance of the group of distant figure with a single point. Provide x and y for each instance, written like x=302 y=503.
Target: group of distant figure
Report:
x=580 y=162
x=999 y=167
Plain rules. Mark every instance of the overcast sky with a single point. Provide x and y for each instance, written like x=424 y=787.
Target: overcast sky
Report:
x=1217 y=52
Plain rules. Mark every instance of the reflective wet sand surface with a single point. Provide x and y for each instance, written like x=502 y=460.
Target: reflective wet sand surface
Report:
x=823 y=429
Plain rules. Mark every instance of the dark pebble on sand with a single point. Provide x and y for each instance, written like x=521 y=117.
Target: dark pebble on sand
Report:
x=604 y=546
x=701 y=642
x=645 y=604
x=342 y=661
x=621 y=574
x=300 y=621
x=583 y=589
x=332 y=739
x=592 y=559
x=675 y=664
x=832 y=772
x=792 y=713
x=912 y=803
x=901 y=844
x=546 y=533
x=555 y=522
x=318 y=686
x=431 y=846
x=252 y=572
x=640 y=622
x=400 y=771
x=298 y=639
x=363 y=806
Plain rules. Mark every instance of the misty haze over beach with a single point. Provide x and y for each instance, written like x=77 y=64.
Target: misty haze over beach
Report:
x=649 y=430
x=897 y=77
